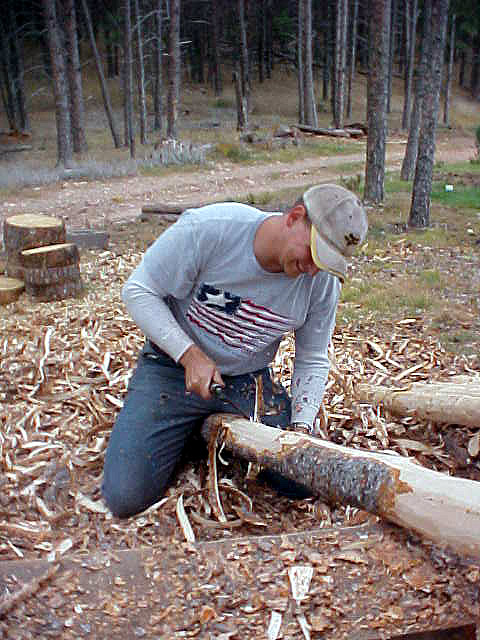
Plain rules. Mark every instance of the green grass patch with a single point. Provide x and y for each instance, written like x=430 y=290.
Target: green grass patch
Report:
x=465 y=197
x=232 y=152
x=431 y=278
x=401 y=296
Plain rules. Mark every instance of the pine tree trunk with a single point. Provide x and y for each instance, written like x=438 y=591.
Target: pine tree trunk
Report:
x=174 y=66
x=377 y=99
x=340 y=62
x=448 y=81
x=244 y=63
x=475 y=75
x=158 y=67
x=269 y=38
x=8 y=79
x=391 y=53
x=17 y=59
x=242 y=113
x=60 y=86
x=353 y=53
x=327 y=58
x=422 y=184
x=309 y=99
x=215 y=29
x=103 y=83
x=142 y=100
x=128 y=78
x=411 y=11
x=410 y=159
x=300 y=63
x=461 y=70
x=75 y=79
x=261 y=30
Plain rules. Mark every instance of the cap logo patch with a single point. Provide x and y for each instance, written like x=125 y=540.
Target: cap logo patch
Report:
x=350 y=239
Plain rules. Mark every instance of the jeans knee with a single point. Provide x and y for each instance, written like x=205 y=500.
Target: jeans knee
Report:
x=121 y=503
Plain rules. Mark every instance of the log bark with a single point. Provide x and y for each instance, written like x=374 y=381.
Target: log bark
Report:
x=54 y=291
x=442 y=508
x=10 y=289
x=455 y=402
x=27 y=231
x=52 y=272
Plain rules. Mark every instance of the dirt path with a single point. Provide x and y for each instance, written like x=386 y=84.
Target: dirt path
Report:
x=97 y=204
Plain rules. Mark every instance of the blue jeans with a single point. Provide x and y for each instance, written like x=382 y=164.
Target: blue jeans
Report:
x=157 y=419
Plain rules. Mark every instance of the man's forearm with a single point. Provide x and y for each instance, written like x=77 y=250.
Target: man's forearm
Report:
x=152 y=315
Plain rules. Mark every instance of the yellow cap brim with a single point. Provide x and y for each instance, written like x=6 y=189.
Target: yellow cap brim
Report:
x=331 y=261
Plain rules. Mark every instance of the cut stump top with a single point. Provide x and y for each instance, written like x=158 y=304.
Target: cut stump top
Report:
x=34 y=220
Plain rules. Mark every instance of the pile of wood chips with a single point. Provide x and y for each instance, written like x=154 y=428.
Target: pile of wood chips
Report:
x=64 y=371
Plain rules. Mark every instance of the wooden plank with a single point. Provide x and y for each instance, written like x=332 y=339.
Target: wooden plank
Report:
x=367 y=583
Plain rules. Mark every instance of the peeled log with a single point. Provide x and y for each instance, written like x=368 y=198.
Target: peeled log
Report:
x=27 y=231
x=442 y=508
x=10 y=289
x=453 y=402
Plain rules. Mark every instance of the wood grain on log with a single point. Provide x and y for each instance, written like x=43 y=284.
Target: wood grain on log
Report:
x=27 y=231
x=453 y=402
x=10 y=289
x=442 y=508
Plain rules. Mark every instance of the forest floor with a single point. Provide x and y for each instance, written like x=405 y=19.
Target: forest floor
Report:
x=409 y=312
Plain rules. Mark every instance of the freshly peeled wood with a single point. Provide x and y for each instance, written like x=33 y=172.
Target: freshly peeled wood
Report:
x=27 y=231
x=453 y=402
x=51 y=264
x=442 y=508
x=10 y=289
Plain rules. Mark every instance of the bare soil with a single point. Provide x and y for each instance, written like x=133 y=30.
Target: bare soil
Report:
x=98 y=204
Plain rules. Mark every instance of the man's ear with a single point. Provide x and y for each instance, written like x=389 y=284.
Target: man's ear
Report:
x=296 y=213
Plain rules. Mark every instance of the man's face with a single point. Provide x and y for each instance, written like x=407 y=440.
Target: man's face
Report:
x=296 y=258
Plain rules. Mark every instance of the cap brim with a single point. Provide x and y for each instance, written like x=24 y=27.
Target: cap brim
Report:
x=325 y=257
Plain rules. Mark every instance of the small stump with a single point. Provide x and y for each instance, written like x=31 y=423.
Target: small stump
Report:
x=10 y=289
x=28 y=231
x=52 y=272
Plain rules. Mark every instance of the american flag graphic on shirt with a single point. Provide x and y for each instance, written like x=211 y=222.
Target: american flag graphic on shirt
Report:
x=239 y=323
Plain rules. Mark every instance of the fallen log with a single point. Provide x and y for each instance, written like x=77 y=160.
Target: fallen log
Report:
x=171 y=209
x=334 y=133
x=454 y=402
x=442 y=508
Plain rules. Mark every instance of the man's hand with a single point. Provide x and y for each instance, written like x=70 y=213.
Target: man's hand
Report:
x=200 y=372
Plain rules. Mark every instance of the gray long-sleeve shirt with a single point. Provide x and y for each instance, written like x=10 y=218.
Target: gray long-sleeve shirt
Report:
x=201 y=283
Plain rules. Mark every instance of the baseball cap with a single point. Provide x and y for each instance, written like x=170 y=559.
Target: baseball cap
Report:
x=339 y=226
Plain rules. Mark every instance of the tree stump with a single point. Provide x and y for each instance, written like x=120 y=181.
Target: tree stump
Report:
x=27 y=231
x=52 y=272
x=10 y=289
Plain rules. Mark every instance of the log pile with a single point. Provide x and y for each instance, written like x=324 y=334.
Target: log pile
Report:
x=37 y=255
